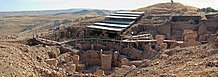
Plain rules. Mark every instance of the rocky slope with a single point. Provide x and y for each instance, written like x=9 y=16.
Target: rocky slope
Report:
x=193 y=61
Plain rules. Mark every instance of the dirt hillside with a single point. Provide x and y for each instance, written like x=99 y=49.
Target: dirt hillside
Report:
x=168 y=8
x=193 y=61
x=19 y=60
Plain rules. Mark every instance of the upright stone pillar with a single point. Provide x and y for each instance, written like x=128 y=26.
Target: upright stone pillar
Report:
x=211 y=38
x=190 y=37
x=160 y=39
x=76 y=60
x=163 y=45
x=92 y=47
x=115 y=58
x=106 y=61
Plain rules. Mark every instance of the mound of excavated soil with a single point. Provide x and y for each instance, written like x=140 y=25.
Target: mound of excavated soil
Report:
x=23 y=61
x=183 y=62
x=168 y=8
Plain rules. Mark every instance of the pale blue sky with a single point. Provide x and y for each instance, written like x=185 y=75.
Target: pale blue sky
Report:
x=28 y=5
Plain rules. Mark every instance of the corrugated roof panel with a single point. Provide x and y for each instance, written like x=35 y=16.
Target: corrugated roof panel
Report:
x=112 y=25
x=120 y=17
x=126 y=15
x=139 y=13
x=106 y=28
x=118 y=22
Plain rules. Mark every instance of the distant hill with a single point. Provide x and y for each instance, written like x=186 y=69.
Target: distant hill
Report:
x=168 y=8
x=57 y=12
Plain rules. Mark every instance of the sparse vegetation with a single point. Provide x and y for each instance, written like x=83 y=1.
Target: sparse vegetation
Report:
x=66 y=51
x=207 y=10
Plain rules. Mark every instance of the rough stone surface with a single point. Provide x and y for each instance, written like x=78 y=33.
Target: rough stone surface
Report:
x=71 y=68
x=52 y=61
x=160 y=39
x=99 y=73
x=106 y=60
x=76 y=59
x=163 y=45
x=124 y=61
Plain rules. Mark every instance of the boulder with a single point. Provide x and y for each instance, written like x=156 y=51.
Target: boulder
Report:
x=211 y=38
x=124 y=61
x=71 y=68
x=76 y=59
x=99 y=73
x=81 y=67
x=52 y=61
x=133 y=53
x=160 y=39
x=163 y=45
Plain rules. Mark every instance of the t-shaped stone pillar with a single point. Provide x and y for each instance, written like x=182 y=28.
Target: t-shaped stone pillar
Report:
x=106 y=61
x=76 y=60
x=190 y=37
x=160 y=39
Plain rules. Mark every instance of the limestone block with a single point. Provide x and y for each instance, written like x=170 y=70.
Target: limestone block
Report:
x=190 y=36
x=81 y=67
x=187 y=31
x=167 y=75
x=211 y=38
x=106 y=61
x=163 y=45
x=136 y=63
x=67 y=59
x=99 y=73
x=173 y=45
x=76 y=59
x=123 y=69
x=52 y=55
x=115 y=56
x=159 y=36
x=132 y=52
x=71 y=68
x=202 y=29
x=124 y=61
x=164 y=56
x=160 y=39
x=191 y=42
x=202 y=38
x=121 y=57
x=92 y=47
x=52 y=61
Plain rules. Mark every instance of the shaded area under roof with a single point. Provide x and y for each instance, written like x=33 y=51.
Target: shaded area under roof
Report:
x=106 y=28
x=118 y=22
x=112 y=25
x=121 y=17
x=125 y=15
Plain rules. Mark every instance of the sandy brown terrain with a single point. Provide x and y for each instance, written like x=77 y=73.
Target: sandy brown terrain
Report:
x=24 y=56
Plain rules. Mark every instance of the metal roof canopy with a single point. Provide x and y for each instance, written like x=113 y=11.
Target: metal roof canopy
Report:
x=120 y=17
x=137 y=13
x=111 y=25
x=106 y=28
x=118 y=22
x=125 y=15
